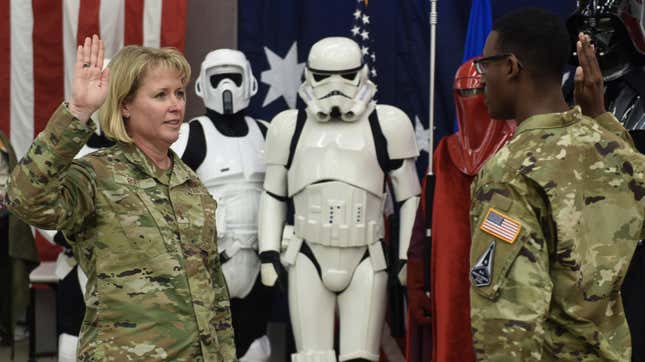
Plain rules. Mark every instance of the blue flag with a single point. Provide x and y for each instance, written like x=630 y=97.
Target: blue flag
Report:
x=480 y=23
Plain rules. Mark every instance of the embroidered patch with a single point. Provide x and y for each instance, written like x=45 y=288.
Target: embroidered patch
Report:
x=501 y=226
x=482 y=271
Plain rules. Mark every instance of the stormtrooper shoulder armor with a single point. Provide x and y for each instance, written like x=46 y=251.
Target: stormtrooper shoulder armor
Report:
x=279 y=136
x=398 y=131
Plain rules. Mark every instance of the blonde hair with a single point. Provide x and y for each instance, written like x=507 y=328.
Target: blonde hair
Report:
x=127 y=70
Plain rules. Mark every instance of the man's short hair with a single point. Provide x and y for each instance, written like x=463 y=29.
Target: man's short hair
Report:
x=538 y=38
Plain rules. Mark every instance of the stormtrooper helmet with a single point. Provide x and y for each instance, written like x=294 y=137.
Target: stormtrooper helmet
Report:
x=336 y=83
x=226 y=82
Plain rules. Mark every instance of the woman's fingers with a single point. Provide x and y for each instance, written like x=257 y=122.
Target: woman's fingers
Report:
x=94 y=51
x=99 y=61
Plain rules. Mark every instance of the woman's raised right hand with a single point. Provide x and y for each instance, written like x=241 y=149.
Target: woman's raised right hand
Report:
x=90 y=82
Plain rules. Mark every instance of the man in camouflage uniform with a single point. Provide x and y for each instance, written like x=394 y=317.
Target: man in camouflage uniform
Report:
x=144 y=236
x=557 y=212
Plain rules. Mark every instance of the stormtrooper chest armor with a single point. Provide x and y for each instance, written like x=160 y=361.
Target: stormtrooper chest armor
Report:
x=337 y=184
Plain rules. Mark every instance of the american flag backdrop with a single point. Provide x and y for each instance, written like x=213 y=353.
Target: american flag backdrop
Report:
x=38 y=40
x=361 y=33
x=38 y=43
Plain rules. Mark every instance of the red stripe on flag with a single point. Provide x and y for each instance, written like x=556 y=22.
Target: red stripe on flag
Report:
x=173 y=24
x=88 y=20
x=133 y=22
x=48 y=60
x=5 y=67
x=48 y=79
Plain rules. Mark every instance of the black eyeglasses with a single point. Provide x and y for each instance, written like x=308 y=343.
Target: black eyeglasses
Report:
x=481 y=65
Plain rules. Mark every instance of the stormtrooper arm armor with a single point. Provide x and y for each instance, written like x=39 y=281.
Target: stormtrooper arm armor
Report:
x=273 y=208
x=401 y=145
x=271 y=219
x=406 y=191
x=273 y=205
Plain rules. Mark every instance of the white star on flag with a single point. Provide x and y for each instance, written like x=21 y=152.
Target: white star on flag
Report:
x=421 y=134
x=360 y=32
x=283 y=76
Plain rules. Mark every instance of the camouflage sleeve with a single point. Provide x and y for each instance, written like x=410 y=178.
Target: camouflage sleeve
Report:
x=46 y=189
x=224 y=324
x=610 y=123
x=510 y=284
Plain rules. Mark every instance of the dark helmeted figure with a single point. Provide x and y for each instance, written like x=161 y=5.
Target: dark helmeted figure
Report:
x=617 y=29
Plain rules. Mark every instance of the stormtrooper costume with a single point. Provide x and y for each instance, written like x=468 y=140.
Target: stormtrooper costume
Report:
x=332 y=161
x=225 y=148
x=617 y=29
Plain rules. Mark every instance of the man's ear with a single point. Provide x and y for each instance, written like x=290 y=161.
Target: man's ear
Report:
x=513 y=66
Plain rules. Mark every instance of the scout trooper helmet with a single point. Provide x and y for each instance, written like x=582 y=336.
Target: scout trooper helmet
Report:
x=226 y=82
x=336 y=83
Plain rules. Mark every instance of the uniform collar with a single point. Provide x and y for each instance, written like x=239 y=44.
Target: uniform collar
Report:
x=550 y=120
x=179 y=172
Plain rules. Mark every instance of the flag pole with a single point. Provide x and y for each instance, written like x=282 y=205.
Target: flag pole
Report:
x=430 y=177
x=433 y=57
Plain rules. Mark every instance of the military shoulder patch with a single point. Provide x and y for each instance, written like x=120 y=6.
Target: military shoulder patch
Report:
x=482 y=271
x=499 y=225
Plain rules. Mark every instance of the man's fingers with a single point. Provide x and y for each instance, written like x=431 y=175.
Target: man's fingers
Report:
x=582 y=56
x=593 y=62
x=580 y=74
x=588 y=60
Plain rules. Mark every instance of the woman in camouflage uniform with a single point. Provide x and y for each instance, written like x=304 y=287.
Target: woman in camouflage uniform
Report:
x=140 y=222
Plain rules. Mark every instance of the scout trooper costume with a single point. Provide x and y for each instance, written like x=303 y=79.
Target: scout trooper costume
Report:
x=332 y=161
x=225 y=148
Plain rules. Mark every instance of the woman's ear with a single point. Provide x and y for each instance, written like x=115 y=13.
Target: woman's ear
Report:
x=125 y=112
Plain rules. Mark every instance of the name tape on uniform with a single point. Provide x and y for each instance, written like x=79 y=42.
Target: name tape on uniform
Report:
x=501 y=226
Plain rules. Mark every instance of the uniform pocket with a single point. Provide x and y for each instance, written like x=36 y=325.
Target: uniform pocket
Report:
x=137 y=223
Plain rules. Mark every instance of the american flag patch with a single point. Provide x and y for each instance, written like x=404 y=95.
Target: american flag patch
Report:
x=501 y=226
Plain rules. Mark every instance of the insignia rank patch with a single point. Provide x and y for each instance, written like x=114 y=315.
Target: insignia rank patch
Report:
x=482 y=271
x=497 y=224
